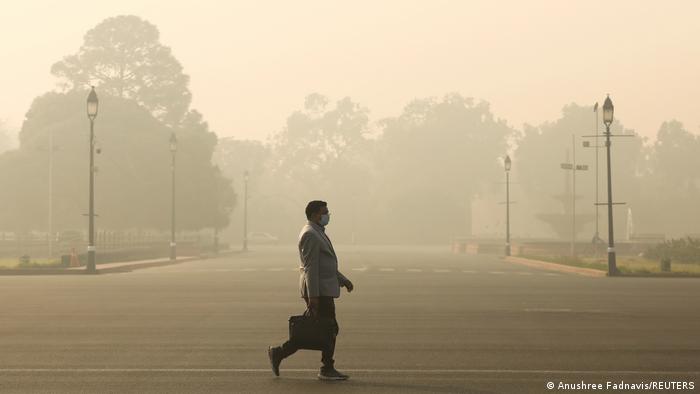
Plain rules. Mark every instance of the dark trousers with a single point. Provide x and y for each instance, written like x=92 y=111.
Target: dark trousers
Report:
x=326 y=308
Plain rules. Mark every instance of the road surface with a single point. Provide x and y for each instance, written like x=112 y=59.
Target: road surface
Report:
x=420 y=320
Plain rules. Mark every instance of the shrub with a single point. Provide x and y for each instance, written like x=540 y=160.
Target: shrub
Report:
x=684 y=250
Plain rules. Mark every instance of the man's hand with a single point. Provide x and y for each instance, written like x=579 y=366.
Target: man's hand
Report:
x=348 y=285
x=313 y=305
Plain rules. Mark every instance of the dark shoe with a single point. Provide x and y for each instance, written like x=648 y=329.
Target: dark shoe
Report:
x=331 y=374
x=275 y=359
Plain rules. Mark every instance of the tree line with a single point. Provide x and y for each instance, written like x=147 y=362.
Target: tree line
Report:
x=430 y=173
x=436 y=171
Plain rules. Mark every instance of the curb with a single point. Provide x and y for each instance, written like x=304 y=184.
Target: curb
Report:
x=126 y=267
x=556 y=267
x=39 y=271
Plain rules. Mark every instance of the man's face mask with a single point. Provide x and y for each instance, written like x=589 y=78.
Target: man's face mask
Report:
x=325 y=219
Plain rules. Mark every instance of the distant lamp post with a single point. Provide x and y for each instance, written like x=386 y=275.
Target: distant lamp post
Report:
x=608 y=110
x=246 y=177
x=92 y=105
x=173 y=245
x=574 y=168
x=507 y=164
x=587 y=144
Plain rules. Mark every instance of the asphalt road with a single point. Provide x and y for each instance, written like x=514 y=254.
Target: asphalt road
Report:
x=419 y=320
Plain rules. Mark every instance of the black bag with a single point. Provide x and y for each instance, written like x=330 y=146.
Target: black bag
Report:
x=309 y=332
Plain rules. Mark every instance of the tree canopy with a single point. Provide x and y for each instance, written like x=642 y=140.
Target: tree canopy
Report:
x=124 y=57
x=133 y=169
x=547 y=188
x=434 y=158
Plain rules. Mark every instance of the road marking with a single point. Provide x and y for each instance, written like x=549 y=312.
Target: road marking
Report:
x=223 y=270
x=363 y=269
x=496 y=272
x=469 y=272
x=558 y=310
x=414 y=270
x=551 y=274
x=249 y=269
x=274 y=269
x=441 y=270
x=524 y=273
x=362 y=370
x=387 y=269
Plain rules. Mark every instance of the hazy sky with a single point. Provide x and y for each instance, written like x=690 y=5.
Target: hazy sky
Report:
x=251 y=63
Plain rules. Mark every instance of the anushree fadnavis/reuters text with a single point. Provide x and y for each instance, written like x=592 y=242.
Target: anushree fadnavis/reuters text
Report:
x=622 y=385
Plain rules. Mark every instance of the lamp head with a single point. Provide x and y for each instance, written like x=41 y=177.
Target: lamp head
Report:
x=92 y=103
x=608 y=110
x=246 y=176
x=173 y=143
x=506 y=163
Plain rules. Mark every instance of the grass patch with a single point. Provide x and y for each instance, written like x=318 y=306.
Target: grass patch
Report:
x=9 y=263
x=631 y=265
x=572 y=261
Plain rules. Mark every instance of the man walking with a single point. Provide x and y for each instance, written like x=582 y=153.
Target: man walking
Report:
x=319 y=284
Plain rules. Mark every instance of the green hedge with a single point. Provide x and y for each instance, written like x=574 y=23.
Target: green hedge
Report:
x=683 y=250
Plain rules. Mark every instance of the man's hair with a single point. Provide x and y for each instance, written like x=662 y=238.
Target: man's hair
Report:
x=313 y=207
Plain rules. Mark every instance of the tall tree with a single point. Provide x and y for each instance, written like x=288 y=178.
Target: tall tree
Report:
x=124 y=57
x=320 y=140
x=235 y=158
x=546 y=187
x=133 y=169
x=432 y=161
x=323 y=152
x=672 y=183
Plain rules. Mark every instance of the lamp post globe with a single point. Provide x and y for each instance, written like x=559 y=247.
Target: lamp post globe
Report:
x=92 y=104
x=173 y=143
x=608 y=111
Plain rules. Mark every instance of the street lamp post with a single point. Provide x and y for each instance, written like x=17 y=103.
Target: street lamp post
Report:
x=586 y=144
x=246 y=177
x=173 y=245
x=596 y=237
x=92 y=105
x=507 y=165
x=608 y=110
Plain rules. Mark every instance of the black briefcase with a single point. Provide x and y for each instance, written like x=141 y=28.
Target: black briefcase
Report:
x=309 y=332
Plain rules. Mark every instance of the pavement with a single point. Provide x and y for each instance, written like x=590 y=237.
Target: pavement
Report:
x=420 y=320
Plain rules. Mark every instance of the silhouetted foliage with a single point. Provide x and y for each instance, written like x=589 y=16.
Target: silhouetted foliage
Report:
x=547 y=188
x=672 y=182
x=684 y=250
x=432 y=160
x=124 y=57
x=133 y=169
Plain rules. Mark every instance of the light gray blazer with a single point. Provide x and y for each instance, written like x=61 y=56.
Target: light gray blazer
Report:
x=319 y=264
